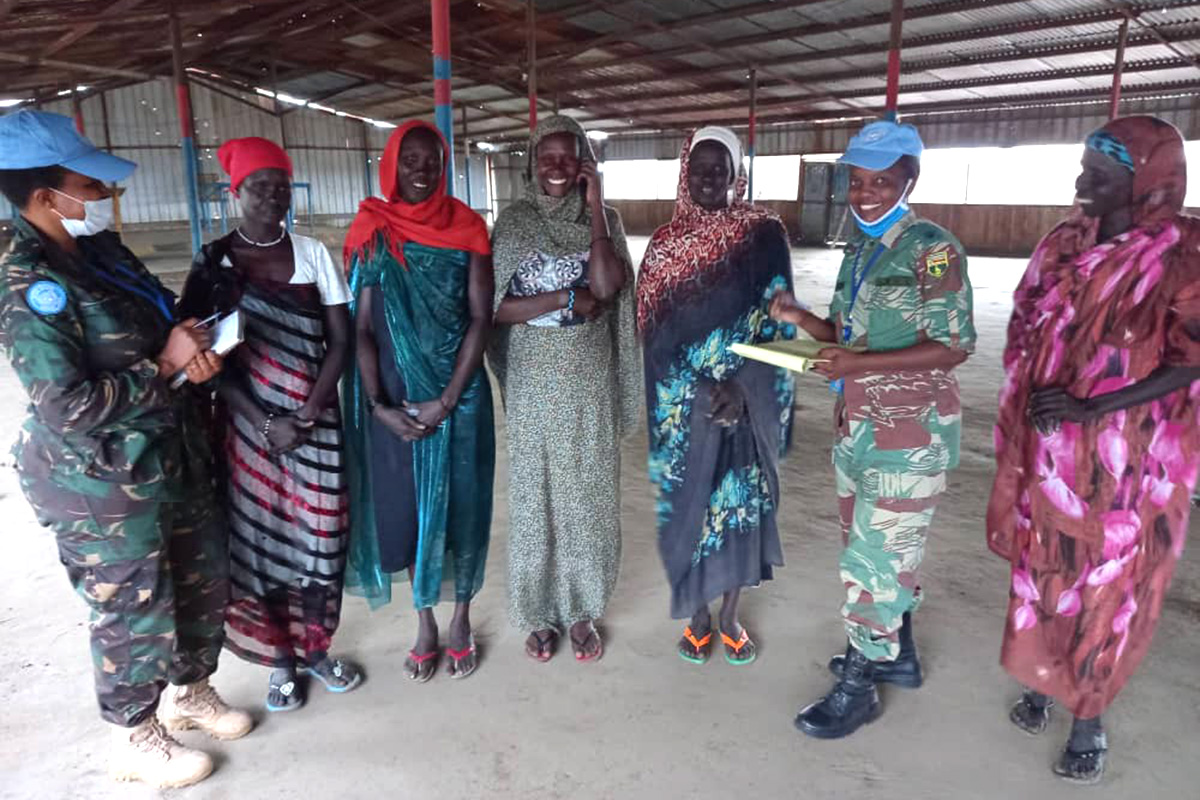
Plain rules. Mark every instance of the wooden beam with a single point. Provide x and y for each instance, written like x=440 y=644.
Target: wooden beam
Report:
x=667 y=110
x=787 y=79
x=71 y=66
x=211 y=86
x=49 y=25
x=627 y=33
x=6 y=7
x=327 y=96
x=251 y=19
x=930 y=40
x=809 y=29
x=1099 y=96
x=514 y=22
x=71 y=37
x=1134 y=16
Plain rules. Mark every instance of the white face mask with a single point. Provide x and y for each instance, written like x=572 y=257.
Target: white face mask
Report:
x=98 y=215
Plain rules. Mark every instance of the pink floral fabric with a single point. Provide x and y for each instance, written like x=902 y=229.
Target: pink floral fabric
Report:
x=1093 y=517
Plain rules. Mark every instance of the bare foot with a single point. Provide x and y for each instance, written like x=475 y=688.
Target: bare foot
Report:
x=464 y=658
x=422 y=659
x=586 y=641
x=540 y=644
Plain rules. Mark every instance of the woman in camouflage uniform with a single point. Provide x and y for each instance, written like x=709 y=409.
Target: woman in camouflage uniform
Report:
x=903 y=302
x=109 y=457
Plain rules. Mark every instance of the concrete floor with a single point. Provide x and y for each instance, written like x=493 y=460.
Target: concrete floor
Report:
x=642 y=723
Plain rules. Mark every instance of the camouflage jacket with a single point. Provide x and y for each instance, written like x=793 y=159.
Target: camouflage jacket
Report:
x=82 y=335
x=912 y=287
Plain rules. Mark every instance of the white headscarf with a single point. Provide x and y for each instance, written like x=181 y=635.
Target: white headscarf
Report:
x=726 y=138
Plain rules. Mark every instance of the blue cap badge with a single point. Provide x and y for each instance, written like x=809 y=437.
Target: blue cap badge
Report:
x=881 y=144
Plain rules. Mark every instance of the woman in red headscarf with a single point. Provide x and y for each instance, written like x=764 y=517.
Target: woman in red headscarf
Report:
x=1098 y=438
x=419 y=410
x=287 y=500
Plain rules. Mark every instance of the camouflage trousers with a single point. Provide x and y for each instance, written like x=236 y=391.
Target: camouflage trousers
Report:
x=885 y=517
x=156 y=576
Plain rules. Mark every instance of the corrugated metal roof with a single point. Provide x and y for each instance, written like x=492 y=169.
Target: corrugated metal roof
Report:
x=618 y=61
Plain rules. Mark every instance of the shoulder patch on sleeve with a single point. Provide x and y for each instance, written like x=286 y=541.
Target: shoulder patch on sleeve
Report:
x=937 y=262
x=46 y=298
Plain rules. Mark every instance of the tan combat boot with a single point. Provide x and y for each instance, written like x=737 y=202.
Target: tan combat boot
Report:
x=197 y=705
x=147 y=753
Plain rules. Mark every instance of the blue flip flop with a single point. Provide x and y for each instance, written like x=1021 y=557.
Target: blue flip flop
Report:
x=340 y=670
x=288 y=688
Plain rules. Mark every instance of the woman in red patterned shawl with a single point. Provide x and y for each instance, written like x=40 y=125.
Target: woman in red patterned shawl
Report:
x=1098 y=440
x=718 y=424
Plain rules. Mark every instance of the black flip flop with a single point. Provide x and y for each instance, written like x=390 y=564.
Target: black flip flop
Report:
x=1085 y=768
x=1030 y=718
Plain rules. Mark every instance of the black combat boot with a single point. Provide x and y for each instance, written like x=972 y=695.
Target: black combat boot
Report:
x=852 y=703
x=904 y=672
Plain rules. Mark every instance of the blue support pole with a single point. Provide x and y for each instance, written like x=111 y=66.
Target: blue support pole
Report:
x=443 y=110
x=191 y=186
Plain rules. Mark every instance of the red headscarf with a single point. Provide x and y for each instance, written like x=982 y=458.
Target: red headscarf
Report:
x=439 y=221
x=240 y=157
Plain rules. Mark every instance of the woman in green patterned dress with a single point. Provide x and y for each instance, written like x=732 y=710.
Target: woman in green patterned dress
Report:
x=567 y=360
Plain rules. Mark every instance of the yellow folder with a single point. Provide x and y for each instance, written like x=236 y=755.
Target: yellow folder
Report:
x=798 y=355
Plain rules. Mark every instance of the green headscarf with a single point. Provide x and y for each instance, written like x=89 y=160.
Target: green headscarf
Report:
x=561 y=226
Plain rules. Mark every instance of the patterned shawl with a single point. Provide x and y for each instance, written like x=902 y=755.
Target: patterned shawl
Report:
x=695 y=240
x=1094 y=318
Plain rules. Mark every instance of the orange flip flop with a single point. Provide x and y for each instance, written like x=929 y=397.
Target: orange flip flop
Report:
x=737 y=659
x=703 y=646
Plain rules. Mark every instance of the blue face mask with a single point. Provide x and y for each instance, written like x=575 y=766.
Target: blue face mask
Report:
x=880 y=226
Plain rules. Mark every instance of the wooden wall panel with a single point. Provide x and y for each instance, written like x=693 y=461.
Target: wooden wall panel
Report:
x=984 y=230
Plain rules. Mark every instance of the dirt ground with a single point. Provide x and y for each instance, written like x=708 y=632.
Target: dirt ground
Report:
x=641 y=723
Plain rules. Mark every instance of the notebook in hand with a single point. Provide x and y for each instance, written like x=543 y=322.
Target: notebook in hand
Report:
x=798 y=355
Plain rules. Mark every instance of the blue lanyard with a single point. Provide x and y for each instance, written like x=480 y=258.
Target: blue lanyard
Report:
x=141 y=287
x=856 y=283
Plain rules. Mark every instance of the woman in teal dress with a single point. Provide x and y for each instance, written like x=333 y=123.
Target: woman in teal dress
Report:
x=420 y=437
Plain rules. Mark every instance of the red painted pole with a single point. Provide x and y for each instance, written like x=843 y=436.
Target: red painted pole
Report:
x=893 y=67
x=1115 y=107
x=531 y=24
x=77 y=108
x=187 y=128
x=753 y=129
x=443 y=110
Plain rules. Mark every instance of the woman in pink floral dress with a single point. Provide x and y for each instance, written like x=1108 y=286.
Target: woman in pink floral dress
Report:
x=1098 y=438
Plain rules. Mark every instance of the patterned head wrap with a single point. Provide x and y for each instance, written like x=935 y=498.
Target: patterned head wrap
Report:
x=696 y=239
x=1106 y=144
x=1155 y=147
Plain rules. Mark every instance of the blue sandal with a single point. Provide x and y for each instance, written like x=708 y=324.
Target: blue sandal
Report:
x=338 y=676
x=283 y=682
